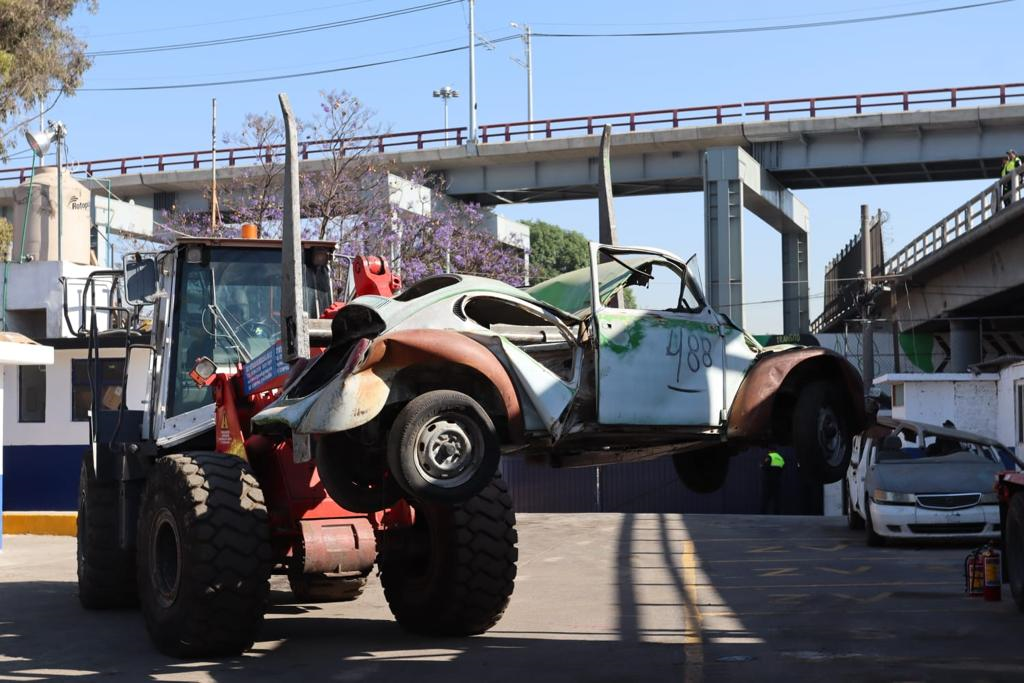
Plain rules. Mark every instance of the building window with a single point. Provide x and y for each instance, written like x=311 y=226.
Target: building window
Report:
x=897 y=395
x=109 y=383
x=32 y=393
x=1020 y=412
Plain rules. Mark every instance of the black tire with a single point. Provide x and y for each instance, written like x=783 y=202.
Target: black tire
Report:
x=452 y=572
x=705 y=470
x=316 y=588
x=853 y=520
x=821 y=432
x=204 y=555
x=354 y=476
x=451 y=422
x=106 y=573
x=872 y=537
x=1015 y=548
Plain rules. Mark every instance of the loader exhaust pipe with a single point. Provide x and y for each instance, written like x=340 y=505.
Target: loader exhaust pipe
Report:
x=294 y=327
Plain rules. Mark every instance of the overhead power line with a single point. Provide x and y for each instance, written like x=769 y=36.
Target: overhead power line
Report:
x=275 y=34
x=319 y=72
x=777 y=27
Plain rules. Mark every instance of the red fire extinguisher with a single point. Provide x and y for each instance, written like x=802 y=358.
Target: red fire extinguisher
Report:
x=993 y=574
x=974 y=574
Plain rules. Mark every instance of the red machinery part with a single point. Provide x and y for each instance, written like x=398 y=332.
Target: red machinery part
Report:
x=337 y=545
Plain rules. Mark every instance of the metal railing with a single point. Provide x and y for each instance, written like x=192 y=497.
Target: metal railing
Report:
x=717 y=114
x=969 y=216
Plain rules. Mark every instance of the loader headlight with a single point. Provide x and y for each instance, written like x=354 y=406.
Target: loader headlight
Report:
x=893 y=498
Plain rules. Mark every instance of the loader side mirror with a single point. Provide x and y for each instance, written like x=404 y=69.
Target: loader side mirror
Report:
x=140 y=279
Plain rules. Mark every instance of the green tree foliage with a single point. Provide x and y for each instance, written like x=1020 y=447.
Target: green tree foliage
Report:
x=6 y=237
x=554 y=251
x=38 y=55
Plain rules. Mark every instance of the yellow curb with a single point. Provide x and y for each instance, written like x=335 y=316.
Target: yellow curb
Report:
x=42 y=523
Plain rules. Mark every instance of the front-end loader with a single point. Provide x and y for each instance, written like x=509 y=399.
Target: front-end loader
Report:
x=188 y=512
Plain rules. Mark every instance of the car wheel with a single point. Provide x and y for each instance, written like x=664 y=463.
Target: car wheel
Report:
x=821 y=432
x=873 y=538
x=853 y=520
x=1015 y=548
x=705 y=470
x=443 y=447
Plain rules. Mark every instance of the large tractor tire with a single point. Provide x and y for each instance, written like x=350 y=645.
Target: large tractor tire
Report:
x=453 y=571
x=204 y=555
x=353 y=474
x=443 y=447
x=1015 y=548
x=703 y=471
x=821 y=432
x=106 y=573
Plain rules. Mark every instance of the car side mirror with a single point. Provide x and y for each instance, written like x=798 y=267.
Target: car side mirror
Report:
x=140 y=279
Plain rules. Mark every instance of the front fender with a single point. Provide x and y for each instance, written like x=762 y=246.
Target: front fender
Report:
x=750 y=416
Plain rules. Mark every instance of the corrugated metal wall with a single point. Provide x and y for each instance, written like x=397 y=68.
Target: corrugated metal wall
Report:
x=652 y=486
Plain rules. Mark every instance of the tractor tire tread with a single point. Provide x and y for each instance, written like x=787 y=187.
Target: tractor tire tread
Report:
x=226 y=553
x=106 y=572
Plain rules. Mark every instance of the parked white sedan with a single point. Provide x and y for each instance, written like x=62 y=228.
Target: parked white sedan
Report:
x=915 y=480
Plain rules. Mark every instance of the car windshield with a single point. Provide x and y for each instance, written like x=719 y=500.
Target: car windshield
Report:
x=937 y=446
x=227 y=308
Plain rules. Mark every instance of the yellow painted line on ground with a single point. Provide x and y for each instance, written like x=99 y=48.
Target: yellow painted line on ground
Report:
x=693 y=640
x=41 y=523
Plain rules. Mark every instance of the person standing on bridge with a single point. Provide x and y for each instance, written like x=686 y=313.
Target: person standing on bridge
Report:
x=771 y=483
x=1010 y=164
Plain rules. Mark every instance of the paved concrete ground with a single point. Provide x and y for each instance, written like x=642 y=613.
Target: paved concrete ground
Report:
x=600 y=598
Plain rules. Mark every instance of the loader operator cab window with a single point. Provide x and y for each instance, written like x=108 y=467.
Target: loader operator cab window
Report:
x=228 y=306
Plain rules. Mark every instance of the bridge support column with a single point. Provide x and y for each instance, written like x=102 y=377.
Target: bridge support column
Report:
x=796 y=317
x=723 y=245
x=734 y=180
x=964 y=344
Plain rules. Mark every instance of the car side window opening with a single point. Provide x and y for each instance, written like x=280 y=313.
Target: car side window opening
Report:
x=666 y=289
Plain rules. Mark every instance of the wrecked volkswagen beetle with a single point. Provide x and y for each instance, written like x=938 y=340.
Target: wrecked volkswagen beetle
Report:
x=422 y=394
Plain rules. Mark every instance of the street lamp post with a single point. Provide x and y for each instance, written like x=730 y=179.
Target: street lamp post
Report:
x=446 y=93
x=528 y=65
x=40 y=144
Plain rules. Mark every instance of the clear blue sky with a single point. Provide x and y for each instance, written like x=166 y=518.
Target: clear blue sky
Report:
x=571 y=77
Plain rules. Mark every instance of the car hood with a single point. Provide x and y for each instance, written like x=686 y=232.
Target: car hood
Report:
x=957 y=473
x=571 y=292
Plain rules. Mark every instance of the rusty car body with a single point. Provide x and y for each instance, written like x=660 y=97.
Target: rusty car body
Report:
x=570 y=378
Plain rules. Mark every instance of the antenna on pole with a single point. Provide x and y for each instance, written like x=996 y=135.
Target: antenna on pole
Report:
x=295 y=335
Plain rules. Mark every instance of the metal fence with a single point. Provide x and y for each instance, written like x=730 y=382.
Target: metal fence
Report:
x=969 y=216
x=715 y=114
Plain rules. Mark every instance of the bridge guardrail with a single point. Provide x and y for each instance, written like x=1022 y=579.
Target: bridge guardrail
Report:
x=962 y=220
x=718 y=114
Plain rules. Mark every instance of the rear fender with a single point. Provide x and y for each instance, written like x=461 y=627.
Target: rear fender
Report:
x=764 y=397
x=352 y=400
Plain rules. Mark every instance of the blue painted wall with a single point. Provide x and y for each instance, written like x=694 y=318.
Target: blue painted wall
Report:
x=41 y=477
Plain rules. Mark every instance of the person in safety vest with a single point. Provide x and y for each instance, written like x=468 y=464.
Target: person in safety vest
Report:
x=771 y=483
x=1010 y=164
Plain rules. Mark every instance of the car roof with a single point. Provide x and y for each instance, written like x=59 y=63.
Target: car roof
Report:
x=936 y=430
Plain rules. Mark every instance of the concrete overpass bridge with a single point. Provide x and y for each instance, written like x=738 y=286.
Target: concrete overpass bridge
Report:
x=743 y=155
x=961 y=278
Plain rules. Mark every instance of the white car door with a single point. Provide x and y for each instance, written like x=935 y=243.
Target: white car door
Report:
x=857 y=478
x=659 y=361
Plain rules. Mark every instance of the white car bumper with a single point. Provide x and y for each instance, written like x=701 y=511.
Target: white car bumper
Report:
x=912 y=521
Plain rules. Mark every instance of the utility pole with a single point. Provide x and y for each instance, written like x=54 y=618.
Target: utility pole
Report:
x=528 y=65
x=472 y=71
x=867 y=344
x=214 y=203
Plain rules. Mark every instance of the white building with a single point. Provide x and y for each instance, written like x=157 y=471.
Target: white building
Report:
x=989 y=402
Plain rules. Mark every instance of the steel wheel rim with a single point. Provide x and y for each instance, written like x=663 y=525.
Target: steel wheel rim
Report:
x=830 y=436
x=449 y=450
x=165 y=558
